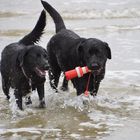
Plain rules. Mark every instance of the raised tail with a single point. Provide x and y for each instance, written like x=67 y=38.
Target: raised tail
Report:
x=59 y=23
x=36 y=33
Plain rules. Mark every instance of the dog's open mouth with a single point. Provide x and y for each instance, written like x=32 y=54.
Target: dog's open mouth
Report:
x=97 y=71
x=40 y=72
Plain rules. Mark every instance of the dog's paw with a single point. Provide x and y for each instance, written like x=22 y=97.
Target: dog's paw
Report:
x=64 y=88
x=7 y=97
x=28 y=101
x=94 y=94
x=42 y=104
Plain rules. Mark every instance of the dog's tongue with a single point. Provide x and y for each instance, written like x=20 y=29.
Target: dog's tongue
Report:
x=41 y=73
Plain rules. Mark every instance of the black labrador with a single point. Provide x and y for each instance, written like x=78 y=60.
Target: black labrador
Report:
x=67 y=50
x=23 y=65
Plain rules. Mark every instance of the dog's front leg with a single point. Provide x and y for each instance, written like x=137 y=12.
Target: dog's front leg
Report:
x=40 y=90
x=18 y=96
x=96 y=88
x=28 y=100
x=64 y=86
x=54 y=78
x=96 y=83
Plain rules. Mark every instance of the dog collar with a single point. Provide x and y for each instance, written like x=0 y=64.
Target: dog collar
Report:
x=26 y=75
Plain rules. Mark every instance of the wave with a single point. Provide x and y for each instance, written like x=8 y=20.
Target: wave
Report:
x=8 y=14
x=107 y=13
x=116 y=28
x=111 y=28
x=28 y=130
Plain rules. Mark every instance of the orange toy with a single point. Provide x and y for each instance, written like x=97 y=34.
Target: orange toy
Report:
x=77 y=72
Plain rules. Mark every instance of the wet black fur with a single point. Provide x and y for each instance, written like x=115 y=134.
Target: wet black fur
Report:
x=67 y=50
x=25 y=56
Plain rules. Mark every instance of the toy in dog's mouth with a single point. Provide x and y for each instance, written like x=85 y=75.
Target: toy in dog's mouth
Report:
x=40 y=72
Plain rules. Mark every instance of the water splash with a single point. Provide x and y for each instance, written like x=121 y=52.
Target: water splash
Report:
x=16 y=112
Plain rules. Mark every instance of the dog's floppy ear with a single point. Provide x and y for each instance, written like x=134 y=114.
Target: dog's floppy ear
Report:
x=108 y=50
x=21 y=56
x=80 y=49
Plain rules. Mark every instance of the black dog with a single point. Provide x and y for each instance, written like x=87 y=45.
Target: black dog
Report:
x=67 y=50
x=23 y=65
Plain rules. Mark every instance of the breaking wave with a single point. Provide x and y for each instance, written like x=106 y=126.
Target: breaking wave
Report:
x=107 y=13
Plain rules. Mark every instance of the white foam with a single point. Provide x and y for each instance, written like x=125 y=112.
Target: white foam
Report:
x=75 y=135
x=107 y=13
x=12 y=104
x=91 y=125
x=16 y=112
x=29 y=130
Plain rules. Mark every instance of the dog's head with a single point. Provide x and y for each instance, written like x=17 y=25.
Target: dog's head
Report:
x=34 y=59
x=94 y=53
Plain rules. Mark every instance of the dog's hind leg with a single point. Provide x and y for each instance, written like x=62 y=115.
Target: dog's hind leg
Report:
x=6 y=87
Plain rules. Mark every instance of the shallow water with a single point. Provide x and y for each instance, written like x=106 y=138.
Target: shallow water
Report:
x=114 y=114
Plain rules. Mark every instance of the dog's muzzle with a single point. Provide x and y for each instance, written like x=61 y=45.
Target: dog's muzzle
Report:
x=95 y=68
x=46 y=67
x=41 y=72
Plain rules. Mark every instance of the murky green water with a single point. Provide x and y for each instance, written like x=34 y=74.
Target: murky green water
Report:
x=115 y=113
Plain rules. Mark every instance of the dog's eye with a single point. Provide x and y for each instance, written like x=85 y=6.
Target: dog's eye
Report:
x=93 y=51
x=38 y=55
x=90 y=52
x=45 y=56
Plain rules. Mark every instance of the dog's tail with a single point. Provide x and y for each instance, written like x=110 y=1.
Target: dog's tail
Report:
x=59 y=23
x=36 y=33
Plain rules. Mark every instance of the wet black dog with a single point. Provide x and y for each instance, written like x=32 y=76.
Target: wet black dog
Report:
x=67 y=50
x=23 y=65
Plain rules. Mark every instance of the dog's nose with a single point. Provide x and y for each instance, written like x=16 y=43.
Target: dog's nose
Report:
x=94 y=66
x=46 y=67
